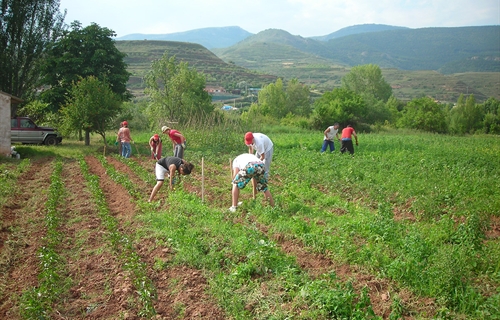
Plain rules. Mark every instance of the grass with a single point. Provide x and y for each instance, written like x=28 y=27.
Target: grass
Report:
x=411 y=208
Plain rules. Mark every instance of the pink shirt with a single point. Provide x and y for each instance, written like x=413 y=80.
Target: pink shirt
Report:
x=124 y=135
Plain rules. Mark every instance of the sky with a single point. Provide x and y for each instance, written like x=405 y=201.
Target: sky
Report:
x=305 y=18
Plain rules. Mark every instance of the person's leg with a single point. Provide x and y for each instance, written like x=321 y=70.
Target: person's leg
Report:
x=323 y=147
x=155 y=190
x=268 y=158
x=350 y=147
x=343 y=146
x=268 y=195
x=178 y=151
x=235 y=193
x=127 y=149
x=332 y=146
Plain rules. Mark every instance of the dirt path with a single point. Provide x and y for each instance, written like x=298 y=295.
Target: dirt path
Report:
x=21 y=234
x=100 y=289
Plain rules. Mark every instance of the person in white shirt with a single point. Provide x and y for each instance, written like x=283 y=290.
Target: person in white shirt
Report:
x=330 y=133
x=248 y=167
x=263 y=147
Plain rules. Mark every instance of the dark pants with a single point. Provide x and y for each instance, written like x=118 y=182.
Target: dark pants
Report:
x=347 y=145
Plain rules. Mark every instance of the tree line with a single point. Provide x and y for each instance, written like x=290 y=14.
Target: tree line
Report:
x=365 y=100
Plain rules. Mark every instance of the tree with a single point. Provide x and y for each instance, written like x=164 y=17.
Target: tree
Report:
x=466 y=117
x=27 y=27
x=340 y=105
x=298 y=98
x=278 y=100
x=92 y=107
x=80 y=53
x=424 y=114
x=491 y=110
x=177 y=92
x=272 y=98
x=367 y=81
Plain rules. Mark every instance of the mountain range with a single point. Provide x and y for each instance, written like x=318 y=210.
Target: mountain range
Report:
x=447 y=50
x=223 y=37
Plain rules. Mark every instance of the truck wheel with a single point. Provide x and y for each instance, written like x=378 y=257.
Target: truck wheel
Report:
x=50 y=141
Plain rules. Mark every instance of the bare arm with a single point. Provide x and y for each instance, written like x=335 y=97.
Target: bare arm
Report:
x=172 y=170
x=326 y=131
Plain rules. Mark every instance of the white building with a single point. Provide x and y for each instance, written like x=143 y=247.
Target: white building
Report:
x=6 y=102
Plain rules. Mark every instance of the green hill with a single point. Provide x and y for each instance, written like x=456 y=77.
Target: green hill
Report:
x=406 y=49
x=141 y=54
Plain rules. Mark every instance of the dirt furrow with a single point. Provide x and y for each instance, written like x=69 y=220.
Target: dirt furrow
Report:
x=180 y=290
x=23 y=229
x=100 y=289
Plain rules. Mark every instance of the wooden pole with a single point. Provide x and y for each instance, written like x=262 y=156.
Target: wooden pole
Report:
x=202 y=180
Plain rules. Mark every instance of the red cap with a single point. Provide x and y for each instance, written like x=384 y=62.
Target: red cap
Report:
x=125 y=123
x=156 y=137
x=248 y=138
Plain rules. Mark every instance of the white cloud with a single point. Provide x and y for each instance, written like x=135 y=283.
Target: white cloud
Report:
x=299 y=17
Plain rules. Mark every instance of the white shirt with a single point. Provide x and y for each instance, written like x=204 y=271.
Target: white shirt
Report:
x=243 y=159
x=331 y=134
x=262 y=143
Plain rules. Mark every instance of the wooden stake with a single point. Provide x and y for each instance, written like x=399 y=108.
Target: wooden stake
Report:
x=230 y=170
x=202 y=180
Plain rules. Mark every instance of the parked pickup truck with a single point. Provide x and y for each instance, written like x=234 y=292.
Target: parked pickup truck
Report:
x=24 y=130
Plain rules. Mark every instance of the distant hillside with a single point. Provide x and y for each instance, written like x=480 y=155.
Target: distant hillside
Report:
x=421 y=49
x=208 y=37
x=141 y=54
x=468 y=49
x=357 y=29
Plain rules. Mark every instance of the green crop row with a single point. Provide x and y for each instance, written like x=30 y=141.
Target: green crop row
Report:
x=123 y=245
x=36 y=303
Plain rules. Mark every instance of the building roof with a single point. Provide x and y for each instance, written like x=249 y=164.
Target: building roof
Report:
x=12 y=98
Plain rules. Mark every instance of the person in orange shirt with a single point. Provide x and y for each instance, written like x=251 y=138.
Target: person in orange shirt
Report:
x=346 y=139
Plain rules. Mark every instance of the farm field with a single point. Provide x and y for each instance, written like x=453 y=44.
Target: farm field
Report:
x=408 y=228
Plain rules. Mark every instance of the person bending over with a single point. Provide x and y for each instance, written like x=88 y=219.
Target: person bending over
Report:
x=169 y=166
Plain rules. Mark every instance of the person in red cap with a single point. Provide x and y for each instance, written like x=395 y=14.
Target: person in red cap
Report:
x=263 y=147
x=155 y=144
x=124 y=138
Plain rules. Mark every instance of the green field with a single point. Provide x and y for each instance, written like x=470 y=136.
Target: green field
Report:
x=408 y=228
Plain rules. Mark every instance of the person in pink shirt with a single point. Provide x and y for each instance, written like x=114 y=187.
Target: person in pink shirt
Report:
x=346 y=140
x=124 y=138
x=178 y=141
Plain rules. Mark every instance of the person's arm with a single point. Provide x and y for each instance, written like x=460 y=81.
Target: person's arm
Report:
x=355 y=136
x=326 y=132
x=179 y=135
x=172 y=169
x=337 y=135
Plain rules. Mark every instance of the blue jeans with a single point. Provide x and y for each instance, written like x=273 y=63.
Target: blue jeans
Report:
x=328 y=143
x=126 y=149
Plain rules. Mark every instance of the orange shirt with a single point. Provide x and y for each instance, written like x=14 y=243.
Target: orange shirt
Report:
x=347 y=133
